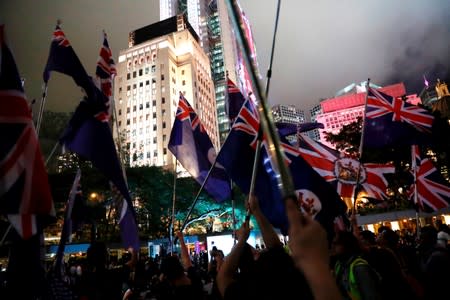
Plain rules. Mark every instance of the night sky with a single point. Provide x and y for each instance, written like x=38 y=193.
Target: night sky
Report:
x=322 y=46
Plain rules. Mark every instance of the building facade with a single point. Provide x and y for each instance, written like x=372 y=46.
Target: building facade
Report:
x=209 y=18
x=163 y=59
x=288 y=114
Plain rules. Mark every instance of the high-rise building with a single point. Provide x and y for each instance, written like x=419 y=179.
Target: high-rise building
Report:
x=314 y=112
x=163 y=59
x=288 y=114
x=210 y=21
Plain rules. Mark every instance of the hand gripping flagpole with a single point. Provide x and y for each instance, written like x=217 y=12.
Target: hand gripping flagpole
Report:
x=284 y=179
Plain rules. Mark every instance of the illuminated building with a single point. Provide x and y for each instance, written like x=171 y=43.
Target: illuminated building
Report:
x=163 y=59
x=209 y=19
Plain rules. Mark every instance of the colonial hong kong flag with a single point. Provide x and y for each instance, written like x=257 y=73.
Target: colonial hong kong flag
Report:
x=392 y=121
x=342 y=171
x=315 y=196
x=89 y=136
x=105 y=71
x=433 y=191
x=235 y=100
x=62 y=58
x=24 y=189
x=190 y=144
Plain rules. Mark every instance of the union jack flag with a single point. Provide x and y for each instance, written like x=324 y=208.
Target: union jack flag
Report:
x=105 y=71
x=190 y=144
x=342 y=171
x=433 y=192
x=237 y=156
x=391 y=121
x=235 y=100
x=186 y=112
x=24 y=188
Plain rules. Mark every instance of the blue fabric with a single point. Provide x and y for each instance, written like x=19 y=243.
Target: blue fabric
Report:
x=191 y=145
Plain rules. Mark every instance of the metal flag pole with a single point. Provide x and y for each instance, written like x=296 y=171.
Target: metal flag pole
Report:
x=361 y=146
x=414 y=167
x=285 y=183
x=41 y=109
x=254 y=172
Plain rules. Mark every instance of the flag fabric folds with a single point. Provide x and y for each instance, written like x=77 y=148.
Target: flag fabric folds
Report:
x=433 y=192
x=105 y=71
x=62 y=58
x=341 y=171
x=235 y=100
x=24 y=188
x=190 y=144
x=315 y=196
x=286 y=129
x=392 y=121
x=87 y=135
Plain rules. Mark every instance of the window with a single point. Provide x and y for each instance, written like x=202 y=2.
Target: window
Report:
x=134 y=107
x=128 y=110
x=141 y=84
x=163 y=100
x=147 y=82
x=128 y=76
x=134 y=74
x=164 y=137
x=155 y=140
x=183 y=82
x=164 y=151
x=141 y=106
x=120 y=112
x=147 y=104
x=128 y=121
x=134 y=86
x=155 y=153
x=148 y=154
x=154 y=127
x=140 y=72
x=120 y=123
x=164 y=124
x=163 y=112
x=182 y=72
x=120 y=89
x=154 y=102
x=128 y=87
x=154 y=115
x=162 y=76
x=153 y=69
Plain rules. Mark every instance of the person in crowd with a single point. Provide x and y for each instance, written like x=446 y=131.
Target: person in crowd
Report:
x=394 y=283
x=179 y=279
x=434 y=262
x=276 y=274
x=443 y=236
x=354 y=276
x=98 y=282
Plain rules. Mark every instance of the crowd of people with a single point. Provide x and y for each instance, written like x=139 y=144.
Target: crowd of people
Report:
x=357 y=264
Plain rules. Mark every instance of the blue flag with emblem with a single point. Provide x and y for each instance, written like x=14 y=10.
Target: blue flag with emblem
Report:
x=190 y=144
x=314 y=195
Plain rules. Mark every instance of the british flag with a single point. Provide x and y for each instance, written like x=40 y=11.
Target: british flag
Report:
x=105 y=71
x=190 y=144
x=24 y=189
x=342 y=171
x=433 y=192
x=392 y=121
x=314 y=194
x=235 y=100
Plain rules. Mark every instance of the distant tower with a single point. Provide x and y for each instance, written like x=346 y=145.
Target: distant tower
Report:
x=288 y=114
x=162 y=60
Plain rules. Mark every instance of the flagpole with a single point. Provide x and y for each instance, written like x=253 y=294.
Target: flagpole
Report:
x=65 y=229
x=414 y=167
x=254 y=172
x=174 y=197
x=41 y=109
x=361 y=146
x=285 y=183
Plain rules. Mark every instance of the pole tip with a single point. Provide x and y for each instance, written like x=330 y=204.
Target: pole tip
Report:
x=58 y=22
